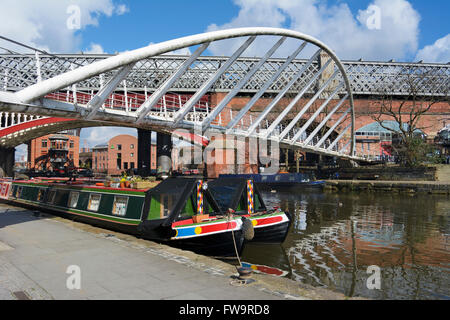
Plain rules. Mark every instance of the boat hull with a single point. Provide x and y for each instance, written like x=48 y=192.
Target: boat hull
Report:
x=216 y=245
x=268 y=230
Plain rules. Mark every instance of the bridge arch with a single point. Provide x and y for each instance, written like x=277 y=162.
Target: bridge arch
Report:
x=325 y=82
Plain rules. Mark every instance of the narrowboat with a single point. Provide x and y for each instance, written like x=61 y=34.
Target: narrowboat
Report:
x=179 y=212
x=243 y=198
x=280 y=180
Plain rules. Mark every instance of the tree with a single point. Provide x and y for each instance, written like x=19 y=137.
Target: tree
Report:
x=420 y=93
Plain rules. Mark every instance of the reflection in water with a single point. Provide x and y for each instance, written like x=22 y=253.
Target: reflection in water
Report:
x=335 y=237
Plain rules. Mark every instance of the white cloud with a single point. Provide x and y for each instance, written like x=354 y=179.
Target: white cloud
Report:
x=21 y=153
x=101 y=135
x=44 y=23
x=122 y=9
x=437 y=52
x=95 y=48
x=349 y=36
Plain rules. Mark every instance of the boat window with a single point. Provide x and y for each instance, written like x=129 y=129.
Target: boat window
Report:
x=120 y=205
x=161 y=205
x=73 y=199
x=94 y=202
x=51 y=196
x=224 y=195
x=41 y=194
x=19 y=192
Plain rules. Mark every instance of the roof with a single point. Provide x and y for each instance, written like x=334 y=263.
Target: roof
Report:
x=59 y=137
x=376 y=127
x=101 y=146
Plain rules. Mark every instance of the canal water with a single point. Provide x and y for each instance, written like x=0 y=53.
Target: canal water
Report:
x=341 y=240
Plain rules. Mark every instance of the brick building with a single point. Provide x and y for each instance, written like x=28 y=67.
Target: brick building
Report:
x=118 y=155
x=65 y=140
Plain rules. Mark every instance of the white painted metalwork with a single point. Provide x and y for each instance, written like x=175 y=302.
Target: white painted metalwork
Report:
x=132 y=89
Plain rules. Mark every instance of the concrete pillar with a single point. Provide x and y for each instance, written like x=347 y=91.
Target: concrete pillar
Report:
x=327 y=73
x=7 y=161
x=164 y=154
x=144 y=152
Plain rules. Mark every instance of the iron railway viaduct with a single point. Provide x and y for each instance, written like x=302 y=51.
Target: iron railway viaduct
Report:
x=297 y=93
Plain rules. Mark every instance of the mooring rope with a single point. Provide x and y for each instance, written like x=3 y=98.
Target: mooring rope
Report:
x=235 y=282
x=230 y=216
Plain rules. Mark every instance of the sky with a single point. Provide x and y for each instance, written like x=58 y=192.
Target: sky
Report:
x=380 y=30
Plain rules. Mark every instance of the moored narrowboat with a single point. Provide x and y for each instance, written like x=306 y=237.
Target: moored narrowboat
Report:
x=179 y=212
x=243 y=198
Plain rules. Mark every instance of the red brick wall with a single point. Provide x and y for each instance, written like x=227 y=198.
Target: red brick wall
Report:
x=126 y=146
x=36 y=148
x=107 y=159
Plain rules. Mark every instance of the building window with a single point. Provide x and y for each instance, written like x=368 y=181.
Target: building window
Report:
x=44 y=143
x=132 y=154
x=125 y=165
x=131 y=146
x=73 y=199
x=120 y=206
x=119 y=147
x=71 y=144
x=131 y=165
x=94 y=202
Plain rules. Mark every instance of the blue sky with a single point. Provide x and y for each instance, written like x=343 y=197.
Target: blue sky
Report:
x=409 y=30
x=155 y=21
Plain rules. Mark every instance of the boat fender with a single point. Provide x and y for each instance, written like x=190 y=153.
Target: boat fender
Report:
x=247 y=229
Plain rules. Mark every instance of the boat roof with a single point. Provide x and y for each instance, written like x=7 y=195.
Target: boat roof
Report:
x=180 y=191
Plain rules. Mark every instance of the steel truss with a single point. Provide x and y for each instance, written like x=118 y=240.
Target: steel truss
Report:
x=317 y=89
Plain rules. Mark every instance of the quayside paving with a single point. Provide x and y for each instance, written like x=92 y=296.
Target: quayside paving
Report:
x=36 y=250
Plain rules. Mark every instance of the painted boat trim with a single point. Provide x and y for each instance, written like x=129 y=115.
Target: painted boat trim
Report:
x=134 y=192
x=268 y=220
x=84 y=213
x=206 y=229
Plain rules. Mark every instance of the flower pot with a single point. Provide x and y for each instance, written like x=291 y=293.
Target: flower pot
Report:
x=200 y=217
x=127 y=184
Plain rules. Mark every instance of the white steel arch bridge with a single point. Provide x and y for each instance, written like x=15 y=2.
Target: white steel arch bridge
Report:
x=308 y=102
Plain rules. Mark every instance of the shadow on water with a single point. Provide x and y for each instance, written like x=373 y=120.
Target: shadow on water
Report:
x=334 y=238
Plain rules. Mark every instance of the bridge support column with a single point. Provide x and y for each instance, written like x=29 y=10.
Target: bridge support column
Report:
x=144 y=152
x=164 y=154
x=7 y=161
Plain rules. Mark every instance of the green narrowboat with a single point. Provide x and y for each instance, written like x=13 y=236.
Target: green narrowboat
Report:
x=179 y=212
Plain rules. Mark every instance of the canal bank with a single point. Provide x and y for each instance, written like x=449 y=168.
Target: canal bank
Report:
x=430 y=187
x=40 y=254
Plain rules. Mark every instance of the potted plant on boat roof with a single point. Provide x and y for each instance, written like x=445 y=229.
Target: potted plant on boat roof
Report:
x=107 y=182
x=199 y=217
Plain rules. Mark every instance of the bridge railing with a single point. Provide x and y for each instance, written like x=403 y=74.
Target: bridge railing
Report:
x=366 y=77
